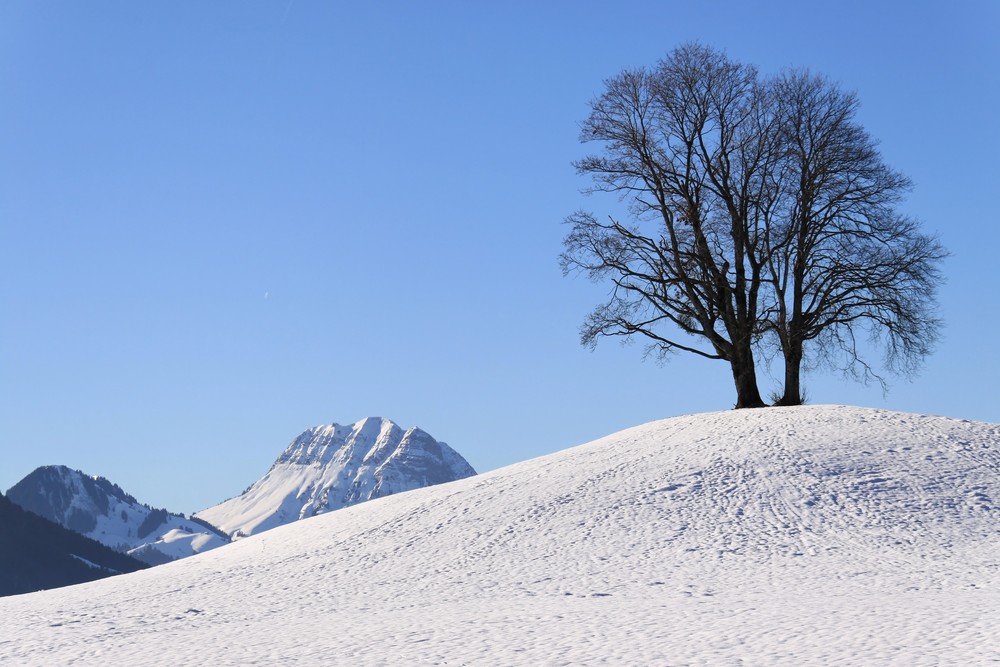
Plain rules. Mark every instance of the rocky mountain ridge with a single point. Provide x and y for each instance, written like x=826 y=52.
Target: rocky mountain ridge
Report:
x=332 y=466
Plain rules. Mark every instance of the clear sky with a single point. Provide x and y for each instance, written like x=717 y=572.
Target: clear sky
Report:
x=224 y=222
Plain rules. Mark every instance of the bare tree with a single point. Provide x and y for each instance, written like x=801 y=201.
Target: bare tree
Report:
x=760 y=211
x=690 y=146
x=843 y=261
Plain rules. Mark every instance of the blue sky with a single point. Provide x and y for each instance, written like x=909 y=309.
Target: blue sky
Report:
x=222 y=223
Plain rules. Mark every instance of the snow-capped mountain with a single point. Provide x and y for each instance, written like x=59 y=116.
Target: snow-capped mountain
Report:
x=331 y=466
x=818 y=535
x=102 y=511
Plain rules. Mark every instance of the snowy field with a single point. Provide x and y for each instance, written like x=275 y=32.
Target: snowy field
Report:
x=819 y=535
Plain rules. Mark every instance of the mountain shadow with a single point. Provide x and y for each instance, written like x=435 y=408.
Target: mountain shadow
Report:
x=37 y=554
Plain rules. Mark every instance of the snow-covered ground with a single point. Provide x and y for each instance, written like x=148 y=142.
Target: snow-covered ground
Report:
x=818 y=535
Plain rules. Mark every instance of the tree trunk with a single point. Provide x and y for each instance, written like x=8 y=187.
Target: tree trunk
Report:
x=793 y=367
x=745 y=377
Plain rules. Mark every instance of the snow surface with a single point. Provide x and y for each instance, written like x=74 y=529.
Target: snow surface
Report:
x=329 y=467
x=817 y=535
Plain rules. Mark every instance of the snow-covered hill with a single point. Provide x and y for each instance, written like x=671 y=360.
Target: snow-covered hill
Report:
x=332 y=466
x=102 y=511
x=793 y=536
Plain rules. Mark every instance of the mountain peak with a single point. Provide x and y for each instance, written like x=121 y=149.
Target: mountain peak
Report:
x=331 y=466
x=66 y=496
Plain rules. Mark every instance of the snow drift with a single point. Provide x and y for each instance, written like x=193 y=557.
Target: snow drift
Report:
x=814 y=535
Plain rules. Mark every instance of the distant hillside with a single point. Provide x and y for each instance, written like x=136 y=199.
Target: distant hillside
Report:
x=36 y=554
x=102 y=511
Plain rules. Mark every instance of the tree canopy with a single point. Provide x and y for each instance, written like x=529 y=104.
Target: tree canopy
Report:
x=761 y=219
